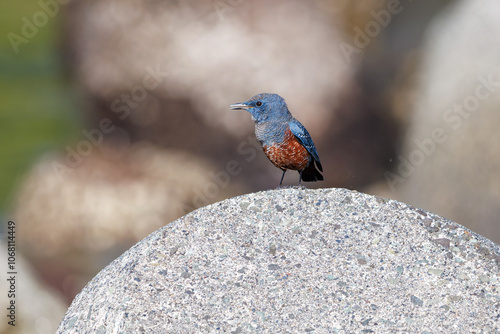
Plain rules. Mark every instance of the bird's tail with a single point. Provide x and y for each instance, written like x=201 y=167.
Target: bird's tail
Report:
x=311 y=174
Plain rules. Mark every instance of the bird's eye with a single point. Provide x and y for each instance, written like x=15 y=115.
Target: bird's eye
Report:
x=258 y=104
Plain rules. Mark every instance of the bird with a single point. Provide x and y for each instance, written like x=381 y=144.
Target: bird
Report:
x=285 y=141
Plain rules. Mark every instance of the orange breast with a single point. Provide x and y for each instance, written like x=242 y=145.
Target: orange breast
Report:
x=288 y=155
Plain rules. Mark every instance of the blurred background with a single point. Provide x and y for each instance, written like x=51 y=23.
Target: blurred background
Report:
x=115 y=117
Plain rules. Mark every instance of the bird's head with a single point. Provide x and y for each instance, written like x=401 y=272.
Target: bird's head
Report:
x=265 y=107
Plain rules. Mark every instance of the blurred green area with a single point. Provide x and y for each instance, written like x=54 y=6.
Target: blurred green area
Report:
x=38 y=103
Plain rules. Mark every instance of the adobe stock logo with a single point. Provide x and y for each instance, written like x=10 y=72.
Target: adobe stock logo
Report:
x=122 y=107
x=453 y=118
x=31 y=25
x=363 y=37
x=208 y=192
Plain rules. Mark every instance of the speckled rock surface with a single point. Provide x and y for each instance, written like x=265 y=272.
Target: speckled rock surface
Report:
x=298 y=261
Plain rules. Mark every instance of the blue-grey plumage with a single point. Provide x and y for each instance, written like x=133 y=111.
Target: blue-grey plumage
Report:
x=285 y=141
x=305 y=139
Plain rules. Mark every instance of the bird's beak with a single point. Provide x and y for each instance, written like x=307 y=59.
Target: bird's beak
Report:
x=239 y=106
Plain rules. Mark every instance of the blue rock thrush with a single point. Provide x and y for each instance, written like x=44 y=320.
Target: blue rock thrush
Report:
x=284 y=140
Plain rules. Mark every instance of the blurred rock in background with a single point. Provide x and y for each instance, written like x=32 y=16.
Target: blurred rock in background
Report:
x=208 y=55
x=451 y=156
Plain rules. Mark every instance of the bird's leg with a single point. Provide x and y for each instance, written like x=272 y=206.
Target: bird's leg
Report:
x=300 y=177
x=282 y=176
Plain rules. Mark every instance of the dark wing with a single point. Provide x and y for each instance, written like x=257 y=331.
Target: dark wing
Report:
x=300 y=132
